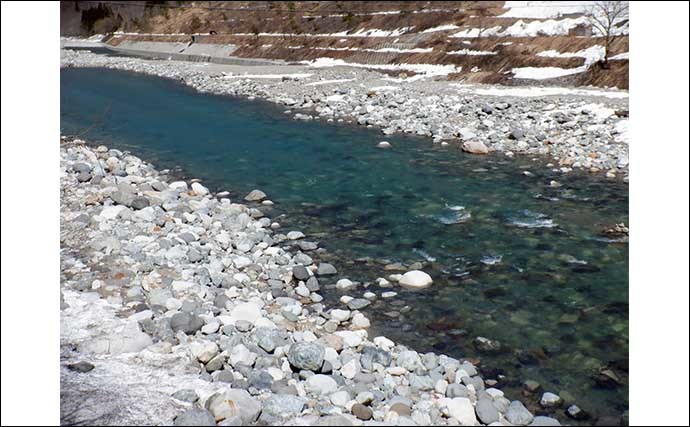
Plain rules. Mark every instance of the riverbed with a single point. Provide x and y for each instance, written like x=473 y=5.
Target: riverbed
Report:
x=514 y=257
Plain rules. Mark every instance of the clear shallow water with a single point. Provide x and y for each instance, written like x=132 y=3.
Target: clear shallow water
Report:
x=512 y=258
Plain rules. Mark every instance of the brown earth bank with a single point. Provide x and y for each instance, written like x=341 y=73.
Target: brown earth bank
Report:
x=305 y=31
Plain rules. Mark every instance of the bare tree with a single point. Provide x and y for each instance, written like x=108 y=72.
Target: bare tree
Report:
x=607 y=18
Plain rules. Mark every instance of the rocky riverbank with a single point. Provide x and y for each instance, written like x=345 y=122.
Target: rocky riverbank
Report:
x=574 y=128
x=181 y=306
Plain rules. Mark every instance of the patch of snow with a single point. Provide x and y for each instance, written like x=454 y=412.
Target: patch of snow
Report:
x=622 y=130
x=441 y=28
x=521 y=28
x=542 y=73
x=620 y=56
x=591 y=55
x=544 y=9
x=391 y=49
x=471 y=52
x=422 y=70
x=473 y=33
x=267 y=76
x=325 y=82
x=384 y=88
x=374 y=32
x=537 y=91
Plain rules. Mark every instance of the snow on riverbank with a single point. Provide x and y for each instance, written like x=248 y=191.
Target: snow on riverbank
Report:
x=423 y=70
x=544 y=9
x=529 y=92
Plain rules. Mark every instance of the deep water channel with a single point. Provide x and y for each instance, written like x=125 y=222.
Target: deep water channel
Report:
x=513 y=259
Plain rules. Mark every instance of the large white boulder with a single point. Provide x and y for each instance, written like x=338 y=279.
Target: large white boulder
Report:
x=415 y=279
x=475 y=147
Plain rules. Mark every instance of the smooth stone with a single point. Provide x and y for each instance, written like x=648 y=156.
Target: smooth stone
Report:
x=544 y=421
x=320 y=384
x=195 y=417
x=326 y=269
x=415 y=279
x=457 y=390
x=401 y=409
x=245 y=311
x=358 y=303
x=475 y=147
x=362 y=412
x=462 y=410
x=306 y=355
x=82 y=366
x=203 y=350
x=486 y=411
x=234 y=403
x=283 y=405
x=295 y=235
x=255 y=196
x=550 y=400
x=300 y=272
x=517 y=414
x=199 y=189
x=340 y=398
x=186 y=323
x=576 y=413
x=384 y=144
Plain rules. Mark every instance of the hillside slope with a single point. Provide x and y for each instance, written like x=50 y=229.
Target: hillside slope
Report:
x=533 y=42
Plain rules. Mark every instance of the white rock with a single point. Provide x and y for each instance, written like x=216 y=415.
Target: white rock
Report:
x=178 y=186
x=351 y=338
x=302 y=290
x=295 y=235
x=199 y=189
x=321 y=384
x=346 y=299
x=384 y=144
x=111 y=212
x=340 y=398
x=241 y=262
x=415 y=279
x=462 y=410
x=241 y=354
x=550 y=400
x=475 y=147
x=350 y=369
x=203 y=350
x=396 y=370
x=276 y=373
x=129 y=339
x=383 y=343
x=369 y=295
x=360 y=321
x=181 y=285
x=245 y=311
x=211 y=327
x=340 y=315
x=344 y=284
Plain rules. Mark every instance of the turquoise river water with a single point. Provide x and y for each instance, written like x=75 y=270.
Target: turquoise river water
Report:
x=512 y=258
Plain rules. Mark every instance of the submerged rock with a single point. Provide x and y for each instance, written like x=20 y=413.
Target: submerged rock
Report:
x=415 y=279
x=255 y=196
x=475 y=147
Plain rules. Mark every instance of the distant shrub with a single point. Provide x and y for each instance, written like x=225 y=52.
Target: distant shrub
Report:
x=90 y=16
x=195 y=24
